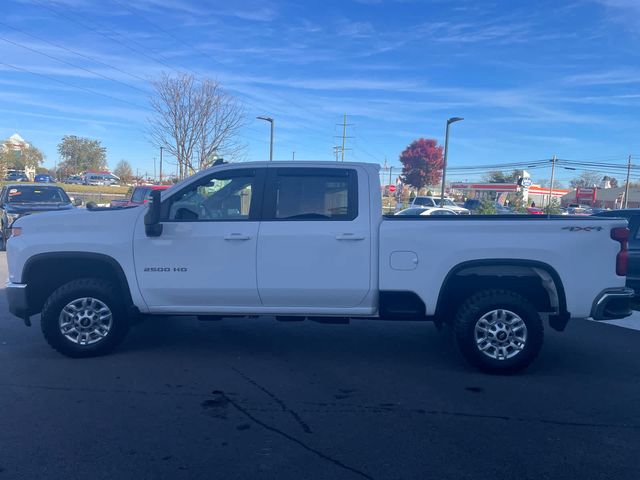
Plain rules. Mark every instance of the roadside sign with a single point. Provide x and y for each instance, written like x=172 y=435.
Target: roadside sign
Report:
x=526 y=182
x=392 y=188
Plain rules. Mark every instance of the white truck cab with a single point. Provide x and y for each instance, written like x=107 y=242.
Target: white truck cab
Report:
x=307 y=240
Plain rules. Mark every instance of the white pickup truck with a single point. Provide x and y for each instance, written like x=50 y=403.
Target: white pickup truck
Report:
x=307 y=240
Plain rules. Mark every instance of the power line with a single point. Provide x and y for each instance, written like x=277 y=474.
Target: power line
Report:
x=193 y=47
x=360 y=146
x=504 y=166
x=72 y=85
x=106 y=77
x=110 y=37
x=62 y=47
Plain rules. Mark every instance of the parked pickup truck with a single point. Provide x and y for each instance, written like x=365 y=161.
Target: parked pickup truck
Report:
x=137 y=196
x=307 y=240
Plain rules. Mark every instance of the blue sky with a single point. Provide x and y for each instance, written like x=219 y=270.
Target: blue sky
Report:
x=532 y=79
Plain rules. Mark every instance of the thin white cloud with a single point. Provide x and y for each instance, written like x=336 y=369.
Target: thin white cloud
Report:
x=612 y=77
x=354 y=29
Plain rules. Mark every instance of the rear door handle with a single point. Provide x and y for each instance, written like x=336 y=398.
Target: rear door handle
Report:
x=349 y=236
x=237 y=236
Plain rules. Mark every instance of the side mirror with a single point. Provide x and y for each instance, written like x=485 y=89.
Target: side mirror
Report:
x=77 y=202
x=152 y=225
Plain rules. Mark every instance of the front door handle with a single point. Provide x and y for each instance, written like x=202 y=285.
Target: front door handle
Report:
x=237 y=236
x=349 y=236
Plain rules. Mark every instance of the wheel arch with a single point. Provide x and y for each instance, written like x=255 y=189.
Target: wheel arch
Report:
x=496 y=273
x=68 y=266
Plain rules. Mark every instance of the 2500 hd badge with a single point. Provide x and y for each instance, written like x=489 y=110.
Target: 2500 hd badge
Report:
x=165 y=269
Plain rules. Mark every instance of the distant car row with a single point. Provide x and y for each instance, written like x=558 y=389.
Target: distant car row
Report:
x=436 y=202
x=93 y=179
x=86 y=179
x=22 y=177
x=421 y=203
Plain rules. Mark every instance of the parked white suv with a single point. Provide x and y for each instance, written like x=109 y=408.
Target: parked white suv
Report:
x=307 y=240
x=433 y=202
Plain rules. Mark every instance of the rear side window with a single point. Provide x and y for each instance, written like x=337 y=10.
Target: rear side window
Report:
x=313 y=194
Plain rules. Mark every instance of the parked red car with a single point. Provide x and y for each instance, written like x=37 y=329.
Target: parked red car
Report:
x=535 y=211
x=137 y=196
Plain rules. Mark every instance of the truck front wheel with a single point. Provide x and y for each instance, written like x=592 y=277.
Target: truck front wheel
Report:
x=499 y=331
x=84 y=318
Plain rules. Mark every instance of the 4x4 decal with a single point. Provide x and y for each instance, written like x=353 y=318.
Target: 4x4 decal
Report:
x=583 y=229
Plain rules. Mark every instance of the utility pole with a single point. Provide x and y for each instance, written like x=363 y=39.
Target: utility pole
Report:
x=626 y=185
x=342 y=149
x=293 y=156
x=344 y=134
x=553 y=177
x=336 y=151
x=154 y=169
x=161 y=148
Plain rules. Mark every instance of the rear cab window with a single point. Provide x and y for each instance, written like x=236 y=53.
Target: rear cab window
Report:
x=312 y=194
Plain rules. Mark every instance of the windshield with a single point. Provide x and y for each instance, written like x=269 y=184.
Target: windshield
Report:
x=412 y=211
x=447 y=202
x=426 y=201
x=33 y=194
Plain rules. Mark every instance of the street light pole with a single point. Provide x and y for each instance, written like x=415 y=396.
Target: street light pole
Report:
x=161 y=148
x=553 y=178
x=626 y=184
x=446 y=151
x=271 y=121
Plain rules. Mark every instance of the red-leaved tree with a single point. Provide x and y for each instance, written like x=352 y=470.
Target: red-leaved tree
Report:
x=422 y=163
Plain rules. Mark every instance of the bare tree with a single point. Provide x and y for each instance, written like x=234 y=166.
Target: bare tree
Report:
x=586 y=180
x=195 y=120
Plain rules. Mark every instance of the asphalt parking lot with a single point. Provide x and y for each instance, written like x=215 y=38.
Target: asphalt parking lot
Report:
x=248 y=399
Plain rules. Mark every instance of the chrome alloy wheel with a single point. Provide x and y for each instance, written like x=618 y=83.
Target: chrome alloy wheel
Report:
x=500 y=334
x=85 y=321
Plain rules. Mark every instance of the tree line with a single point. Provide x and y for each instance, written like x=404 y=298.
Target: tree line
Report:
x=77 y=155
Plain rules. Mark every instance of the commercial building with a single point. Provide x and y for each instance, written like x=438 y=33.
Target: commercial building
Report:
x=611 y=198
x=15 y=143
x=496 y=191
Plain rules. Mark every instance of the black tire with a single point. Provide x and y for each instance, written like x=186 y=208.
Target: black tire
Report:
x=487 y=301
x=95 y=288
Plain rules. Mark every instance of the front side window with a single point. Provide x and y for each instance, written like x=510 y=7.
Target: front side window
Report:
x=223 y=196
x=325 y=194
x=139 y=194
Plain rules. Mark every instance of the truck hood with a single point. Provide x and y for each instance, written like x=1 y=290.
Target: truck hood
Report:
x=26 y=208
x=85 y=223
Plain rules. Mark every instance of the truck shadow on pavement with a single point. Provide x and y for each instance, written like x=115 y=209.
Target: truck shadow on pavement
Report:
x=586 y=347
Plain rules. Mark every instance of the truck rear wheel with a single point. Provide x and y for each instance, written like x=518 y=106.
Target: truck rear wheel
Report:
x=499 y=331
x=84 y=318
